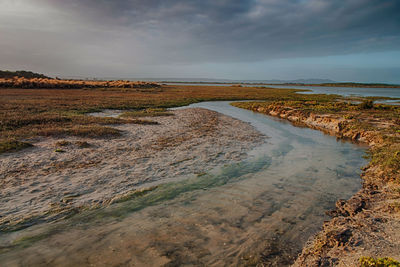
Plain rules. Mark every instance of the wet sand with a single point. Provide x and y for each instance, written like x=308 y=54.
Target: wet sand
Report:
x=259 y=211
x=37 y=184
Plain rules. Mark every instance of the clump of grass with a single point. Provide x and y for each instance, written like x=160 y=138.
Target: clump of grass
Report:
x=63 y=143
x=13 y=145
x=149 y=112
x=378 y=262
x=144 y=122
x=366 y=104
x=387 y=156
x=90 y=131
x=93 y=131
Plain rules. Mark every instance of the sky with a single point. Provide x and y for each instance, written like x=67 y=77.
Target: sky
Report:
x=342 y=40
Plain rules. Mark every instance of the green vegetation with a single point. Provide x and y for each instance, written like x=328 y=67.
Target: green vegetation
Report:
x=21 y=73
x=28 y=113
x=12 y=145
x=380 y=121
x=378 y=262
x=367 y=104
x=387 y=156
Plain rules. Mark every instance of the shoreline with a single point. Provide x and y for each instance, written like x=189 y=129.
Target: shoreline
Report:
x=50 y=181
x=357 y=210
x=367 y=224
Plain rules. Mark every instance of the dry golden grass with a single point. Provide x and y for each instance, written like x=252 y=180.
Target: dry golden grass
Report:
x=37 y=83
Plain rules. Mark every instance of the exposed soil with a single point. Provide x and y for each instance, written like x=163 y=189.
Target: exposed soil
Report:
x=58 y=177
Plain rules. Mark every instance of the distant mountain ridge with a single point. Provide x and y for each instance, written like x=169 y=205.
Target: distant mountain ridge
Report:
x=22 y=73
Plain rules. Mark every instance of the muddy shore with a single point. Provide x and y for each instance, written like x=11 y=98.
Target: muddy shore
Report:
x=368 y=224
x=47 y=185
x=50 y=181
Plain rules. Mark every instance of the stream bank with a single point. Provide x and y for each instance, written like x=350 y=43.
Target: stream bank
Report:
x=366 y=225
x=262 y=209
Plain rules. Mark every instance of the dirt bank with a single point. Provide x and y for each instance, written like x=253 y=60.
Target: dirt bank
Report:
x=368 y=224
x=58 y=177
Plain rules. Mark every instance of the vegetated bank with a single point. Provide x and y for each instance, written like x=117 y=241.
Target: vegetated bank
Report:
x=365 y=229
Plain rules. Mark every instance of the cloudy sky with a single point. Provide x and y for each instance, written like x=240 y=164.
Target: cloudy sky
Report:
x=343 y=40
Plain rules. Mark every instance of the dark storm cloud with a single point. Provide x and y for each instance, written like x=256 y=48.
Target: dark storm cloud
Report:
x=121 y=37
x=223 y=30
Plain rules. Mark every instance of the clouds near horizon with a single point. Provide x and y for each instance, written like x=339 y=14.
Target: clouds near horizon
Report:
x=123 y=34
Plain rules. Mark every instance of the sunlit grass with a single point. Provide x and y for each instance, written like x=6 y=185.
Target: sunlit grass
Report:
x=27 y=113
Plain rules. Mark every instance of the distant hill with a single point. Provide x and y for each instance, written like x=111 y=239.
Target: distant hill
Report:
x=299 y=81
x=226 y=81
x=21 y=73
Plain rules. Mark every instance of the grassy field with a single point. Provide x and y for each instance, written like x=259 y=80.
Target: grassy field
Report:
x=29 y=113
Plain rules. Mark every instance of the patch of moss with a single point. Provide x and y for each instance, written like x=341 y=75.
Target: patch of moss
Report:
x=378 y=262
x=13 y=145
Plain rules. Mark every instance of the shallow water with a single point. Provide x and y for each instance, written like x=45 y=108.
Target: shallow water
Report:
x=264 y=208
x=343 y=91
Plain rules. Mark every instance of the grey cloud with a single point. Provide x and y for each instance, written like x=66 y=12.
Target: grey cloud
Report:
x=129 y=32
x=233 y=30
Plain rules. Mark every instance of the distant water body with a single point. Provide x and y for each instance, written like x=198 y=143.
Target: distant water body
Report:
x=344 y=91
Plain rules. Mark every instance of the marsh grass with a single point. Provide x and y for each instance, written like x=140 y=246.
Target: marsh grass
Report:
x=28 y=113
x=387 y=156
x=149 y=112
x=379 y=119
x=378 y=262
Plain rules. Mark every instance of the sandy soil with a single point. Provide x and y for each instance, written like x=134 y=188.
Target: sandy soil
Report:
x=37 y=183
